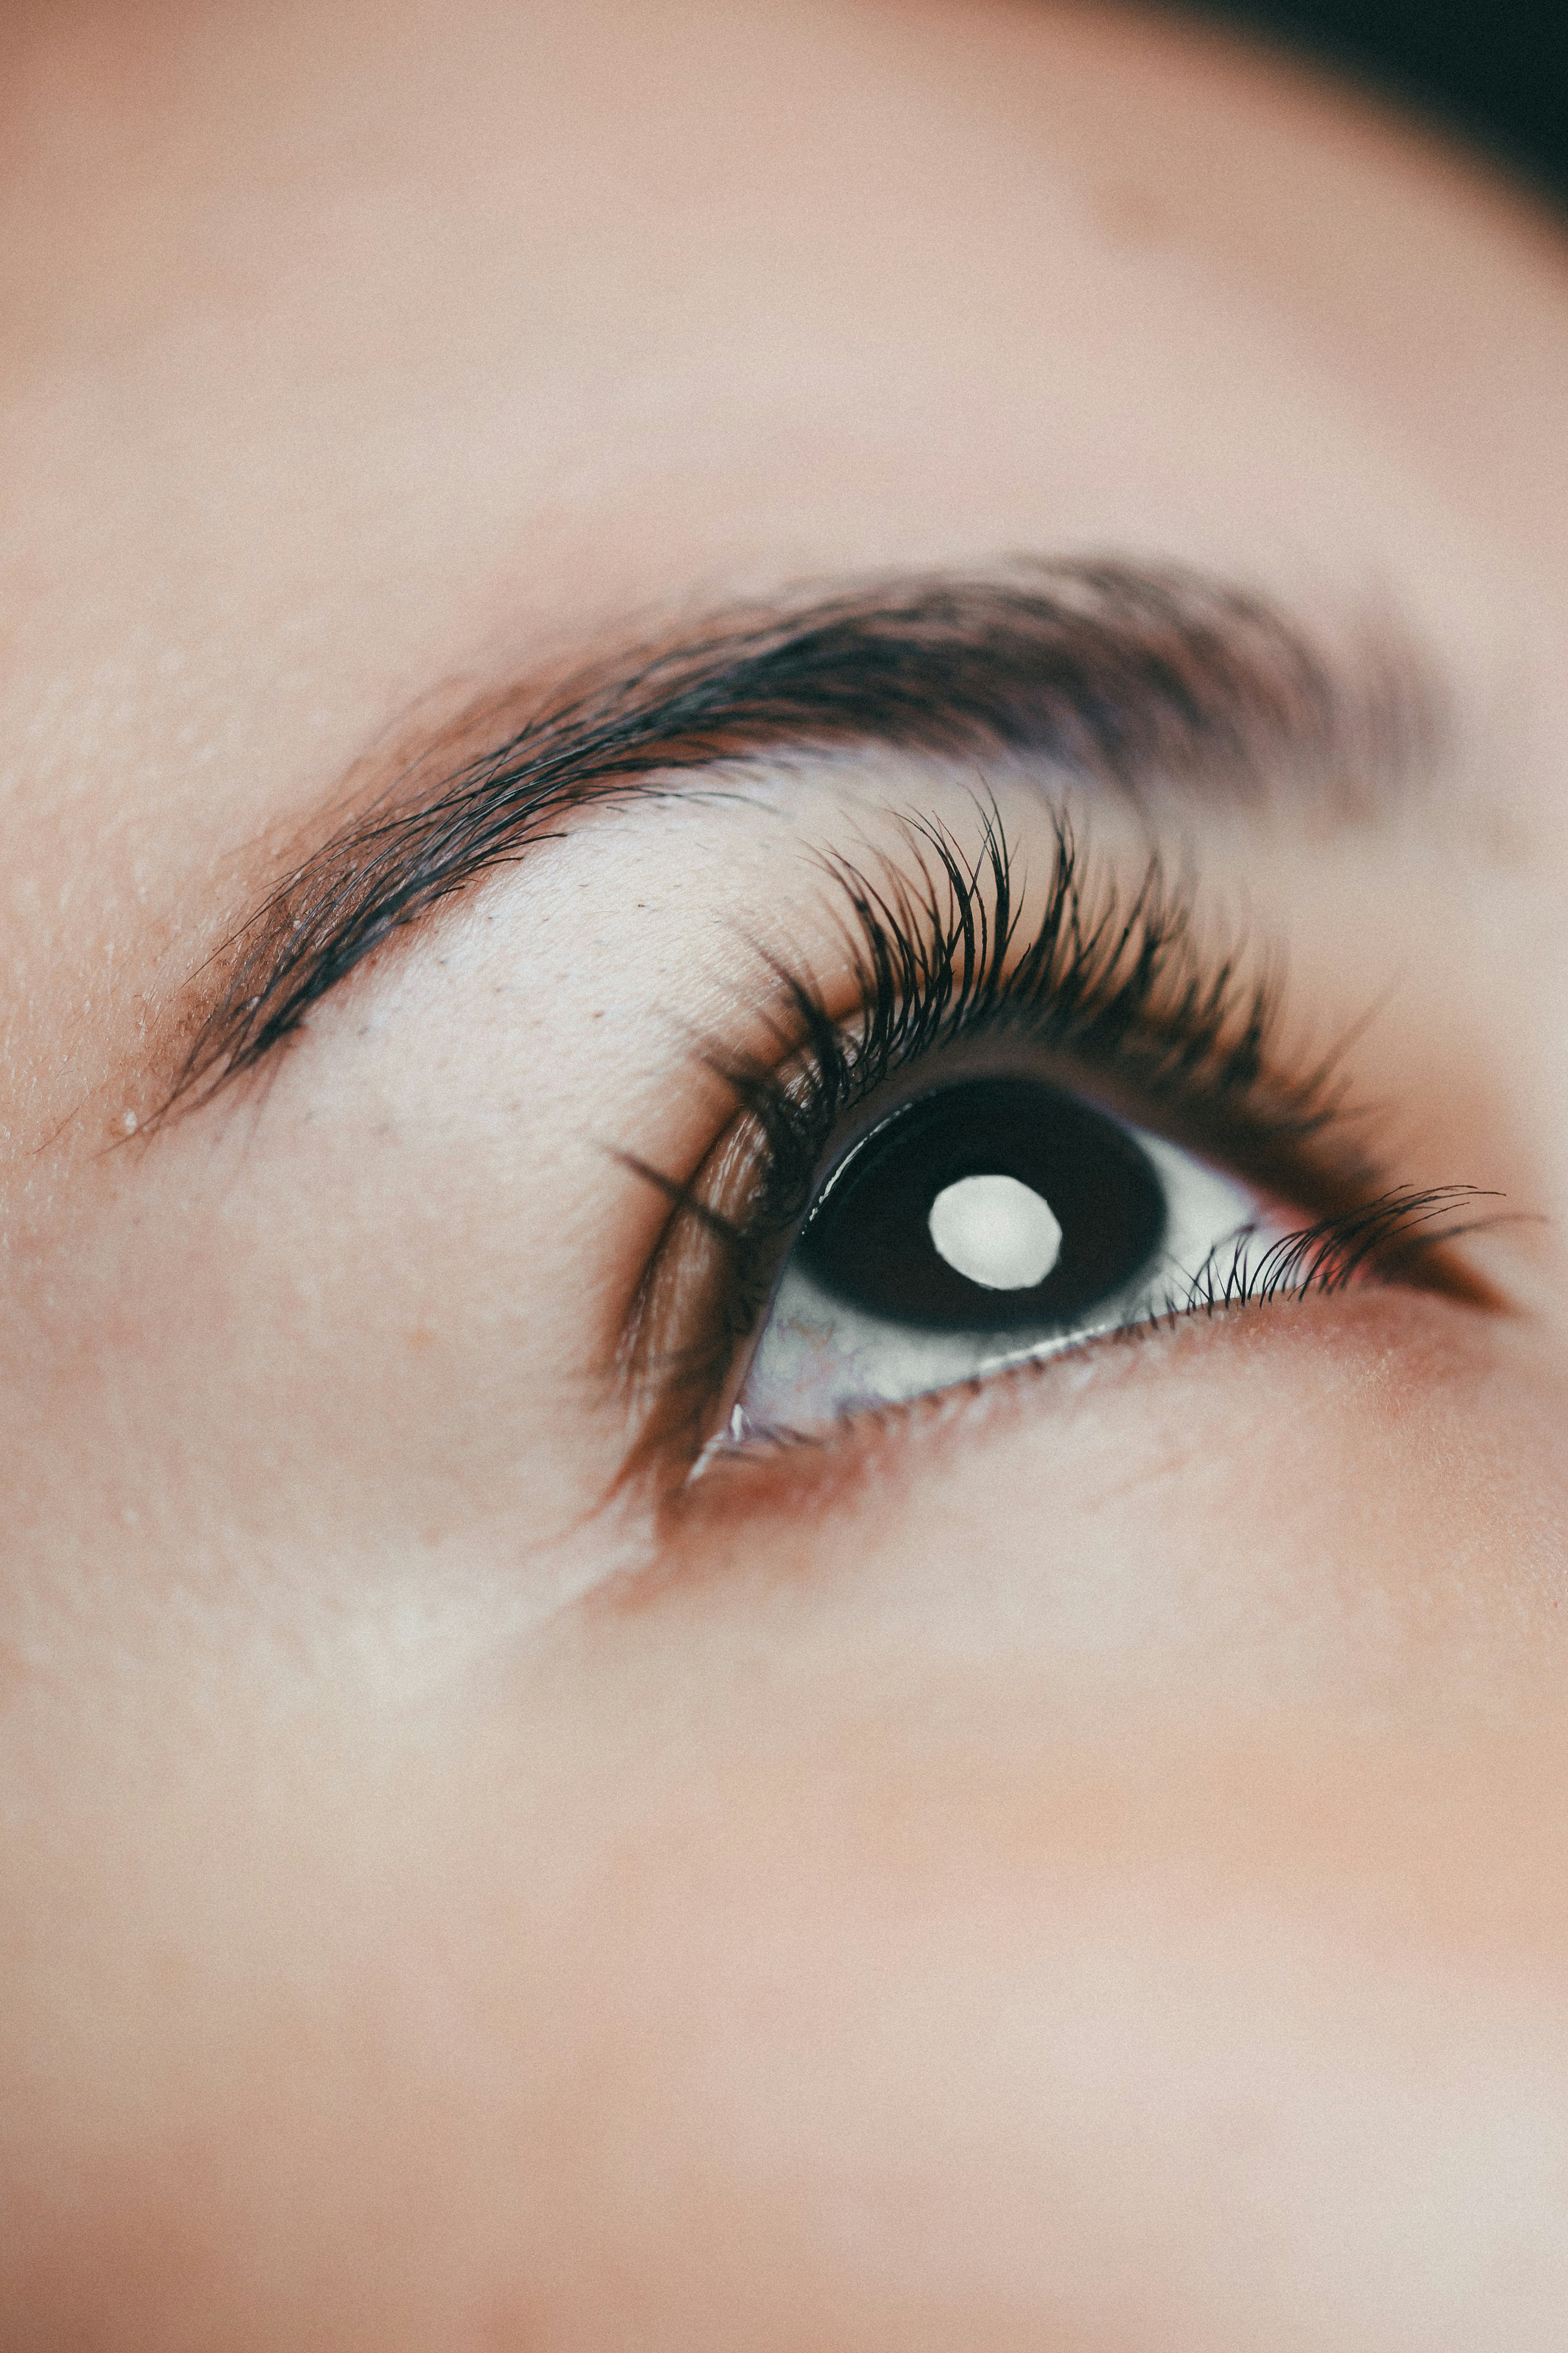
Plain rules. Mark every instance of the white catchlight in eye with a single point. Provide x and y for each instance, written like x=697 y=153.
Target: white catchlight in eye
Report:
x=998 y=1232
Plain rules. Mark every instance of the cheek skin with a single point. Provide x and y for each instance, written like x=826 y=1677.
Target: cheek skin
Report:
x=1030 y=1924
x=1360 y=1501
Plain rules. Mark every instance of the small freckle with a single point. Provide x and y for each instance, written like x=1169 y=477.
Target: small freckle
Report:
x=420 y=1338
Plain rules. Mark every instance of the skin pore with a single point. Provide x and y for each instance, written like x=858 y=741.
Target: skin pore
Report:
x=1078 y=1863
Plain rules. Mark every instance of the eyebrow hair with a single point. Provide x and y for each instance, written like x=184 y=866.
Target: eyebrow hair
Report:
x=1146 y=684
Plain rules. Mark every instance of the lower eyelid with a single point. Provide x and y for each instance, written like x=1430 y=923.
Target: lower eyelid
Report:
x=1081 y=1416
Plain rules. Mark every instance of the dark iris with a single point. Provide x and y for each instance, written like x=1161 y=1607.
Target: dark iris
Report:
x=869 y=1243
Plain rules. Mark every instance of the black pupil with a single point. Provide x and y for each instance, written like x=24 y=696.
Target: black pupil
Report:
x=869 y=1240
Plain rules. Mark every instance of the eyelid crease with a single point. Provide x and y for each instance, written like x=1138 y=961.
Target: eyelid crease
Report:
x=1144 y=684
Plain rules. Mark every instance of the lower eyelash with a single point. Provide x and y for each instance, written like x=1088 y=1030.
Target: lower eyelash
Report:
x=1335 y=1254
x=1118 y=987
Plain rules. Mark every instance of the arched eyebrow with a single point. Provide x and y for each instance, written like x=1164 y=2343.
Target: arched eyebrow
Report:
x=1150 y=685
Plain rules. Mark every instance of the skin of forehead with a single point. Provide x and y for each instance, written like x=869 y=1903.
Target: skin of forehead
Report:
x=350 y=356
x=355 y=357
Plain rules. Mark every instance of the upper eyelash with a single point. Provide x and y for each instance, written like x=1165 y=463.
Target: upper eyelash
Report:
x=1118 y=984
x=1112 y=982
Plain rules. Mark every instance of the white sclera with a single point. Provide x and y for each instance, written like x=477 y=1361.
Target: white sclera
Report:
x=995 y=1231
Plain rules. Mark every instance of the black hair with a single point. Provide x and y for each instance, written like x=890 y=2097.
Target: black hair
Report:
x=1494 y=70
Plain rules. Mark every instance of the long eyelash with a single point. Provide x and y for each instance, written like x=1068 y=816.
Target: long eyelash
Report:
x=1330 y=1255
x=1118 y=984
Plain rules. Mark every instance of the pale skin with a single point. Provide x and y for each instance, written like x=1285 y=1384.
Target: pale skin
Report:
x=1082 y=1865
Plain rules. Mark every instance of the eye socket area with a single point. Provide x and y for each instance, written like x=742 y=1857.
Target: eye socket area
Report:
x=937 y=1166
x=986 y=1221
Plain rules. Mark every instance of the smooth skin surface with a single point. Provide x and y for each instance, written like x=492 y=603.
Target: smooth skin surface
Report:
x=1081 y=1866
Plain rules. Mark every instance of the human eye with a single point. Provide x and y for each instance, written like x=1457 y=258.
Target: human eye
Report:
x=1026 y=1130
x=986 y=1221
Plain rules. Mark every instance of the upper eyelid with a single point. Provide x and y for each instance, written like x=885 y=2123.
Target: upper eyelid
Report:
x=1136 y=681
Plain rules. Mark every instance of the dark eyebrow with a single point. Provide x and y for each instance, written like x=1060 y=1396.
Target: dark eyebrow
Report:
x=1146 y=684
